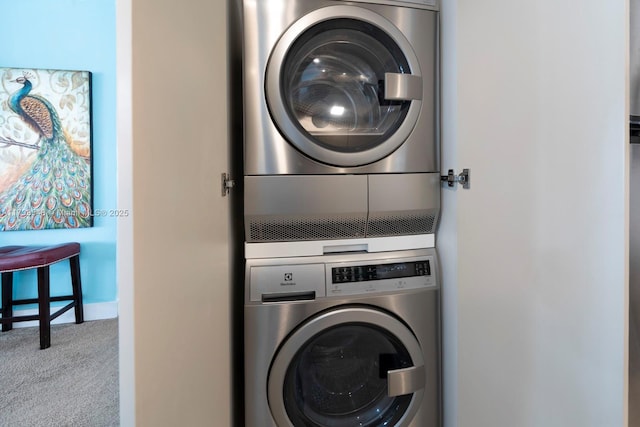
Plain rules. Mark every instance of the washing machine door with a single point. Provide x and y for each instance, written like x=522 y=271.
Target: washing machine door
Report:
x=347 y=367
x=343 y=85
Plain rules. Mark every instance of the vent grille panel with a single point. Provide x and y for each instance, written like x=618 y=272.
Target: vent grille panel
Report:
x=299 y=228
x=266 y=229
x=402 y=224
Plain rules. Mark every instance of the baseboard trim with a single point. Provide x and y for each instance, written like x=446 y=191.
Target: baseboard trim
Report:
x=95 y=311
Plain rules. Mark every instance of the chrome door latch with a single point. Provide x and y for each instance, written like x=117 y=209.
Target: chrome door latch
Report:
x=463 y=178
x=227 y=184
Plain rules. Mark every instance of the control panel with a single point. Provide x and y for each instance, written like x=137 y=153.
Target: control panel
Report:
x=294 y=282
x=379 y=276
x=367 y=273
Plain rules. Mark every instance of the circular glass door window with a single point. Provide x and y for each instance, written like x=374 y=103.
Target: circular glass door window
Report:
x=329 y=91
x=338 y=378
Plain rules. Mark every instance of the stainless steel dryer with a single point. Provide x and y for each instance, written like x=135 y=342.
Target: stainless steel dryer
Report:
x=346 y=94
x=343 y=340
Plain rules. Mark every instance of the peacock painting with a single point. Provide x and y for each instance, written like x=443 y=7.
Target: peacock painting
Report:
x=45 y=149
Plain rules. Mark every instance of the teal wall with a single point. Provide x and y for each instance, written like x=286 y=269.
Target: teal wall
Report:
x=72 y=35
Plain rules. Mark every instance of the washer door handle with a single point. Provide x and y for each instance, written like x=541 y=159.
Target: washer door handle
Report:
x=402 y=87
x=405 y=381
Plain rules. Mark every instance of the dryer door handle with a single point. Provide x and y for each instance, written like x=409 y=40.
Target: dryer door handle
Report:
x=405 y=381
x=402 y=87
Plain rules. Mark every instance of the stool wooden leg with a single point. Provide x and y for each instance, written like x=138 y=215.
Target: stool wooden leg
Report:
x=7 y=299
x=76 y=283
x=44 y=311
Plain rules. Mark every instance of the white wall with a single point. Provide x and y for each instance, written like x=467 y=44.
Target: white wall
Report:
x=634 y=221
x=634 y=287
x=535 y=255
x=124 y=256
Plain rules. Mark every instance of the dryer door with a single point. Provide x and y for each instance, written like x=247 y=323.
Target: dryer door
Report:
x=344 y=86
x=346 y=367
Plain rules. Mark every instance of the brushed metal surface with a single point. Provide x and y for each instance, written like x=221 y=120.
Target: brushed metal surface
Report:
x=291 y=129
x=402 y=86
x=268 y=152
x=330 y=319
x=389 y=193
x=406 y=381
x=269 y=325
x=299 y=195
x=320 y=207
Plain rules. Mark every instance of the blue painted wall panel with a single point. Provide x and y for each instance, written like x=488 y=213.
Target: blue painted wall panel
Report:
x=72 y=35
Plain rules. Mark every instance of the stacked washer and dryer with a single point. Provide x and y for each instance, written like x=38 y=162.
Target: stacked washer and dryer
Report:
x=341 y=203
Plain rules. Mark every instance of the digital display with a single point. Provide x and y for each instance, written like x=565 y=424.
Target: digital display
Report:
x=364 y=273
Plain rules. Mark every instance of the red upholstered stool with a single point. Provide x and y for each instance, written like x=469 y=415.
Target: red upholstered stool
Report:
x=16 y=258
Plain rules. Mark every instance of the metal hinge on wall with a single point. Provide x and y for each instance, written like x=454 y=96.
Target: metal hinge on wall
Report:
x=463 y=178
x=227 y=184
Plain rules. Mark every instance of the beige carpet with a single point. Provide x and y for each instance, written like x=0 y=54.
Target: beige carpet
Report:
x=72 y=383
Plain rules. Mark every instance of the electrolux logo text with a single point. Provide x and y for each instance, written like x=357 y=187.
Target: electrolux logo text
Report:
x=288 y=280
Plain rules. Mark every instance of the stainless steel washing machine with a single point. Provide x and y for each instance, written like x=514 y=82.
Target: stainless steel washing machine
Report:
x=343 y=94
x=343 y=340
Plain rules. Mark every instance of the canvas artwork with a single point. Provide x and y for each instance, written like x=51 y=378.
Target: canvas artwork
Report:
x=45 y=149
